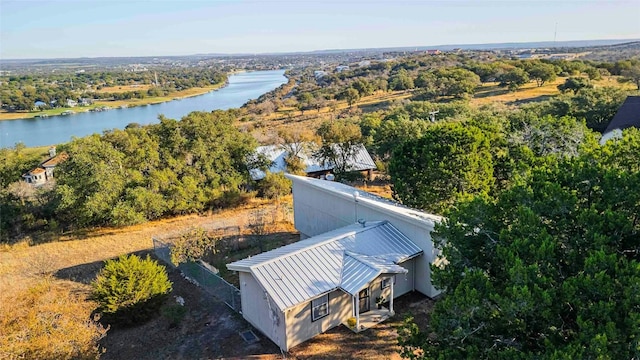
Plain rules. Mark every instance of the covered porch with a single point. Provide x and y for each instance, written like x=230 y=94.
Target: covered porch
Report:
x=370 y=319
x=360 y=273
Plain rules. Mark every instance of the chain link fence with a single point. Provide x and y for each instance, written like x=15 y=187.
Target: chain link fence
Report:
x=203 y=275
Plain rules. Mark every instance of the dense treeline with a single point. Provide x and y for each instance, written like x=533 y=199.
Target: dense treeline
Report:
x=547 y=267
x=137 y=174
x=541 y=224
x=22 y=92
x=438 y=78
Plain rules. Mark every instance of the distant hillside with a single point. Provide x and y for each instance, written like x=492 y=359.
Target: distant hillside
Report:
x=567 y=46
x=495 y=46
x=615 y=52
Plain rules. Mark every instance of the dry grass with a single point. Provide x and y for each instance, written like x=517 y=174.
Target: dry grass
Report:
x=48 y=320
x=123 y=88
x=491 y=92
x=379 y=188
x=22 y=265
x=5 y=115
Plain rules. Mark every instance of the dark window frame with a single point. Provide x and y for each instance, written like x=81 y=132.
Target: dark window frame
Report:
x=390 y=280
x=326 y=303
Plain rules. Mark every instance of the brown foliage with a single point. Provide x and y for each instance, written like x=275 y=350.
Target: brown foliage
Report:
x=48 y=321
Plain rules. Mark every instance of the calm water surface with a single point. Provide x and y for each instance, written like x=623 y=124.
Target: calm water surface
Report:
x=58 y=129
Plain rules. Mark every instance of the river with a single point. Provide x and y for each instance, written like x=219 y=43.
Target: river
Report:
x=242 y=87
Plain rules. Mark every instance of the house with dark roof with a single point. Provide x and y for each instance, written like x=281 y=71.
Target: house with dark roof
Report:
x=627 y=116
x=357 y=254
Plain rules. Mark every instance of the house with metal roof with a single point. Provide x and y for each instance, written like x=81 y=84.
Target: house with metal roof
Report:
x=627 y=116
x=313 y=165
x=359 y=252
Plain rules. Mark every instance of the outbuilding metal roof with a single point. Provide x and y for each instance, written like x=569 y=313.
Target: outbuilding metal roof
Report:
x=347 y=258
x=360 y=161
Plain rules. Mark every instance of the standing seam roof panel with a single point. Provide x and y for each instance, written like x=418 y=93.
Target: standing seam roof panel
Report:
x=296 y=274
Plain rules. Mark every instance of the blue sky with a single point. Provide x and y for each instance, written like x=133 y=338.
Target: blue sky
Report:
x=90 y=28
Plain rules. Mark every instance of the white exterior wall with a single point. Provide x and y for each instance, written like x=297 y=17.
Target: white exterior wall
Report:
x=319 y=210
x=316 y=212
x=256 y=310
x=300 y=328
x=49 y=171
x=38 y=179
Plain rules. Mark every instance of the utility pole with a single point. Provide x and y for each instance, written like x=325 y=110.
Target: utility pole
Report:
x=432 y=115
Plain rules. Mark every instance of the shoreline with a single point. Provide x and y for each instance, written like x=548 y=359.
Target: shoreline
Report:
x=178 y=95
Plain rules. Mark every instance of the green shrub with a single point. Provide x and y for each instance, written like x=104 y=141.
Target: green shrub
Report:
x=274 y=185
x=232 y=198
x=192 y=246
x=174 y=314
x=130 y=290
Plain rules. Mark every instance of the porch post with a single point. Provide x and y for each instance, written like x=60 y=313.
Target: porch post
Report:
x=357 y=302
x=391 y=299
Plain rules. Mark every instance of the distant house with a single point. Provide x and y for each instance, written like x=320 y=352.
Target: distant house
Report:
x=85 y=102
x=361 y=161
x=39 y=104
x=319 y=74
x=44 y=172
x=342 y=68
x=72 y=103
x=35 y=177
x=627 y=116
x=432 y=52
x=359 y=251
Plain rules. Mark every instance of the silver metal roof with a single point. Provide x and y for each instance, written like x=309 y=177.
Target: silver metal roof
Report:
x=360 y=161
x=343 y=258
x=358 y=270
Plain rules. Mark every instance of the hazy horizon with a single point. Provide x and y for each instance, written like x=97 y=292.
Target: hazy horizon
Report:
x=75 y=29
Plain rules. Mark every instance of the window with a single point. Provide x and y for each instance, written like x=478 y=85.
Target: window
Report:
x=386 y=282
x=320 y=307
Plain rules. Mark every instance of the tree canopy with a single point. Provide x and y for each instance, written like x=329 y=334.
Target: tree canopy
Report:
x=340 y=141
x=137 y=174
x=447 y=162
x=550 y=268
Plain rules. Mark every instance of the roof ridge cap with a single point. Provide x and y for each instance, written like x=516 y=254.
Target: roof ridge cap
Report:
x=324 y=242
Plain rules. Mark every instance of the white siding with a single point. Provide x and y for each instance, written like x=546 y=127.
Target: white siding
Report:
x=404 y=282
x=300 y=328
x=318 y=210
x=259 y=313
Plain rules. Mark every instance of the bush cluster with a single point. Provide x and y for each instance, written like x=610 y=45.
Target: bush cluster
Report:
x=130 y=290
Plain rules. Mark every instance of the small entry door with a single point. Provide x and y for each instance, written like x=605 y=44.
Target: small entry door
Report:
x=363 y=300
